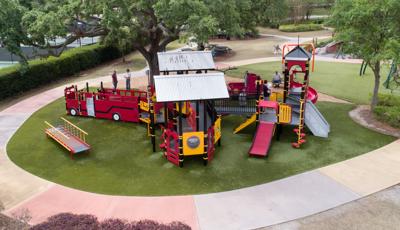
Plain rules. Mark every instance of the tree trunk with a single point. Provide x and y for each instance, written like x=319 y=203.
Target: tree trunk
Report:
x=153 y=67
x=376 y=69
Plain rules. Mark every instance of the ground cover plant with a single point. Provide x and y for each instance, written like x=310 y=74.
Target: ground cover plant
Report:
x=90 y=222
x=388 y=110
x=121 y=160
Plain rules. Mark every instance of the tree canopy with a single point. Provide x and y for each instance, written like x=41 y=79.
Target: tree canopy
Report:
x=148 y=25
x=370 y=29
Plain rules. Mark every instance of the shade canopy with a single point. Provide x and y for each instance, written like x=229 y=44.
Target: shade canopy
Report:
x=190 y=87
x=185 y=61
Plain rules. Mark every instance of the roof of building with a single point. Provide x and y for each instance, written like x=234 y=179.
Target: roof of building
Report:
x=185 y=60
x=190 y=87
x=298 y=54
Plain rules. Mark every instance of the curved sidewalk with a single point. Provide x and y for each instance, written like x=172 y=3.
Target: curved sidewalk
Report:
x=267 y=204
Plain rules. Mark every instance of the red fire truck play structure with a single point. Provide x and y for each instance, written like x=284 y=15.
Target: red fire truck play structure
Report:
x=119 y=105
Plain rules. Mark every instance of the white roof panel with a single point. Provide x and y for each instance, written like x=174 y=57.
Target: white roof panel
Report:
x=190 y=87
x=185 y=60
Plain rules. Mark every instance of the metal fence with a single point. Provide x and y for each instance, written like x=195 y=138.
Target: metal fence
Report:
x=230 y=106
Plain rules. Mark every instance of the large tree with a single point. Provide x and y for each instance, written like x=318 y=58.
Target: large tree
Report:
x=148 y=25
x=269 y=12
x=370 y=29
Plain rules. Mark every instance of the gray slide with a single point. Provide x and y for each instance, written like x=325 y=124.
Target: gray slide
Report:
x=315 y=121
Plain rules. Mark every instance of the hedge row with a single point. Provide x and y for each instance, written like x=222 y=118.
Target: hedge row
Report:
x=388 y=110
x=42 y=72
x=300 y=27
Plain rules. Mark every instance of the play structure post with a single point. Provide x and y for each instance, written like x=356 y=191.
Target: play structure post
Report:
x=152 y=126
x=197 y=116
x=166 y=115
x=180 y=132
x=87 y=87
x=286 y=81
x=205 y=156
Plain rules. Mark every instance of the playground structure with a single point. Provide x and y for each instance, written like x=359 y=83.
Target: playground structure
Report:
x=69 y=136
x=294 y=106
x=187 y=102
x=192 y=126
x=119 y=105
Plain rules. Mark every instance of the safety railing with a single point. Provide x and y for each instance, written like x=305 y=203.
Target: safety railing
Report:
x=74 y=130
x=285 y=113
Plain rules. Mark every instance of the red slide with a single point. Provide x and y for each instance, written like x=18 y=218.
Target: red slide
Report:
x=262 y=139
x=312 y=94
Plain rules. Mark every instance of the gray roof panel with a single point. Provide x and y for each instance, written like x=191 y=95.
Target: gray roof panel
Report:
x=190 y=87
x=185 y=60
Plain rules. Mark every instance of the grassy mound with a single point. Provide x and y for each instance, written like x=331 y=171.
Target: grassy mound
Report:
x=121 y=161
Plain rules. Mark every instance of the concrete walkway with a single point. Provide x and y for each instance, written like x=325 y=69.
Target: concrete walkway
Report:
x=263 y=205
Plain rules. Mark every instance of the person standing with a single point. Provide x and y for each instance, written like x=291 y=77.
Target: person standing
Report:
x=128 y=79
x=114 y=80
x=276 y=79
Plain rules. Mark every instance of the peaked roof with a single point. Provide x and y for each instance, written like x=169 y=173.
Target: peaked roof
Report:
x=298 y=54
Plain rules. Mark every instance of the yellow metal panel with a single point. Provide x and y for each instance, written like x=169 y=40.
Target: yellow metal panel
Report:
x=217 y=130
x=193 y=143
x=185 y=107
x=276 y=96
x=285 y=113
x=144 y=106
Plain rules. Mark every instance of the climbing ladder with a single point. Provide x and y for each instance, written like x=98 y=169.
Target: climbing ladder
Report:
x=68 y=135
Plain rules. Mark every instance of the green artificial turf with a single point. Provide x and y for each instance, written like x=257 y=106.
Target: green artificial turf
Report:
x=121 y=161
x=340 y=80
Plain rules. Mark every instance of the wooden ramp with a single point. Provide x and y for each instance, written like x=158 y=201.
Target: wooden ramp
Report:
x=69 y=136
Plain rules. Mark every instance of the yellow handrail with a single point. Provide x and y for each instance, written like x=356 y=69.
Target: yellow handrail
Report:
x=75 y=130
x=74 y=126
x=51 y=126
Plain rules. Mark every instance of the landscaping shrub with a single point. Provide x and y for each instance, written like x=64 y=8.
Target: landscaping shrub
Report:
x=69 y=221
x=41 y=72
x=65 y=221
x=388 y=110
x=300 y=27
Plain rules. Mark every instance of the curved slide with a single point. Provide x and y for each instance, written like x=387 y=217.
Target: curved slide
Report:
x=262 y=139
x=312 y=94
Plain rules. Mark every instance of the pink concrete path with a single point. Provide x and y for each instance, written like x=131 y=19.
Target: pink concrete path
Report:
x=58 y=199
x=248 y=208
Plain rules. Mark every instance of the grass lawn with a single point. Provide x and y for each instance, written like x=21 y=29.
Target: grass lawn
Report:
x=340 y=80
x=121 y=161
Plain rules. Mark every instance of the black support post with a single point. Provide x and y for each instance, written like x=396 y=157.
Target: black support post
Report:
x=205 y=156
x=180 y=133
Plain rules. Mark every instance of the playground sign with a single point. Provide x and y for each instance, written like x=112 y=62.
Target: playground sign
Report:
x=185 y=60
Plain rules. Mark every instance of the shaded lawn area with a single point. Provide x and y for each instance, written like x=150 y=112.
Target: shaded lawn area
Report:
x=121 y=161
x=340 y=80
